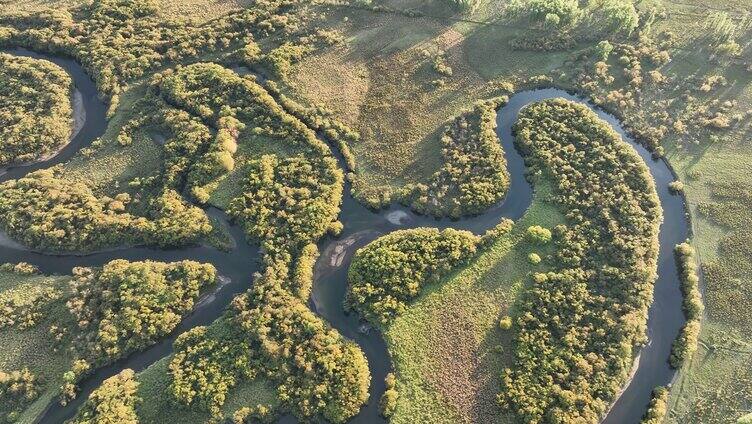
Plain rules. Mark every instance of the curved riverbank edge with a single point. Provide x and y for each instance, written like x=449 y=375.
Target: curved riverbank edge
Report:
x=78 y=117
x=331 y=277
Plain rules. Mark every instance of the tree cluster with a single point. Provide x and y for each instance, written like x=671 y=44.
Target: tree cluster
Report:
x=127 y=306
x=289 y=203
x=474 y=174
x=203 y=108
x=113 y=402
x=561 y=24
x=17 y=390
x=119 y=41
x=391 y=271
x=44 y=211
x=24 y=306
x=271 y=331
x=686 y=342
x=35 y=108
x=577 y=326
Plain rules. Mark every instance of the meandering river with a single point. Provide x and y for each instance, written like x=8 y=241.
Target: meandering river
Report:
x=361 y=226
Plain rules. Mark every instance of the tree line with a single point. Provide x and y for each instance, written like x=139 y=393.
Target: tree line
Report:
x=561 y=24
x=686 y=342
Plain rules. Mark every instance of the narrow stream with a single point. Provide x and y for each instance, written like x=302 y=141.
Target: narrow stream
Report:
x=361 y=226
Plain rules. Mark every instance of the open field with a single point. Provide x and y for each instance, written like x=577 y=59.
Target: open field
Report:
x=448 y=348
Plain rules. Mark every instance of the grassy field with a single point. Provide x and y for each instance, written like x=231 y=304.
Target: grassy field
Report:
x=389 y=98
x=34 y=348
x=447 y=348
x=716 y=387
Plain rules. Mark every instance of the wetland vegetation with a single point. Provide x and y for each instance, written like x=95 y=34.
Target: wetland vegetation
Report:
x=328 y=135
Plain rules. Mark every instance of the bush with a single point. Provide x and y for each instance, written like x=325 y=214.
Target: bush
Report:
x=538 y=235
x=25 y=305
x=127 y=306
x=505 y=323
x=388 y=402
x=747 y=419
x=676 y=187
x=534 y=258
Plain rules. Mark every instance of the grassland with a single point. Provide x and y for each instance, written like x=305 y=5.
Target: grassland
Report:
x=389 y=98
x=200 y=10
x=447 y=348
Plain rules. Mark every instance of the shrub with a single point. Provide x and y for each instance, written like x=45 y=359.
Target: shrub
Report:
x=538 y=235
x=24 y=306
x=534 y=258
x=747 y=419
x=125 y=307
x=676 y=187
x=505 y=323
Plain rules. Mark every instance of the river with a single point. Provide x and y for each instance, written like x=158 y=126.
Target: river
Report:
x=362 y=226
